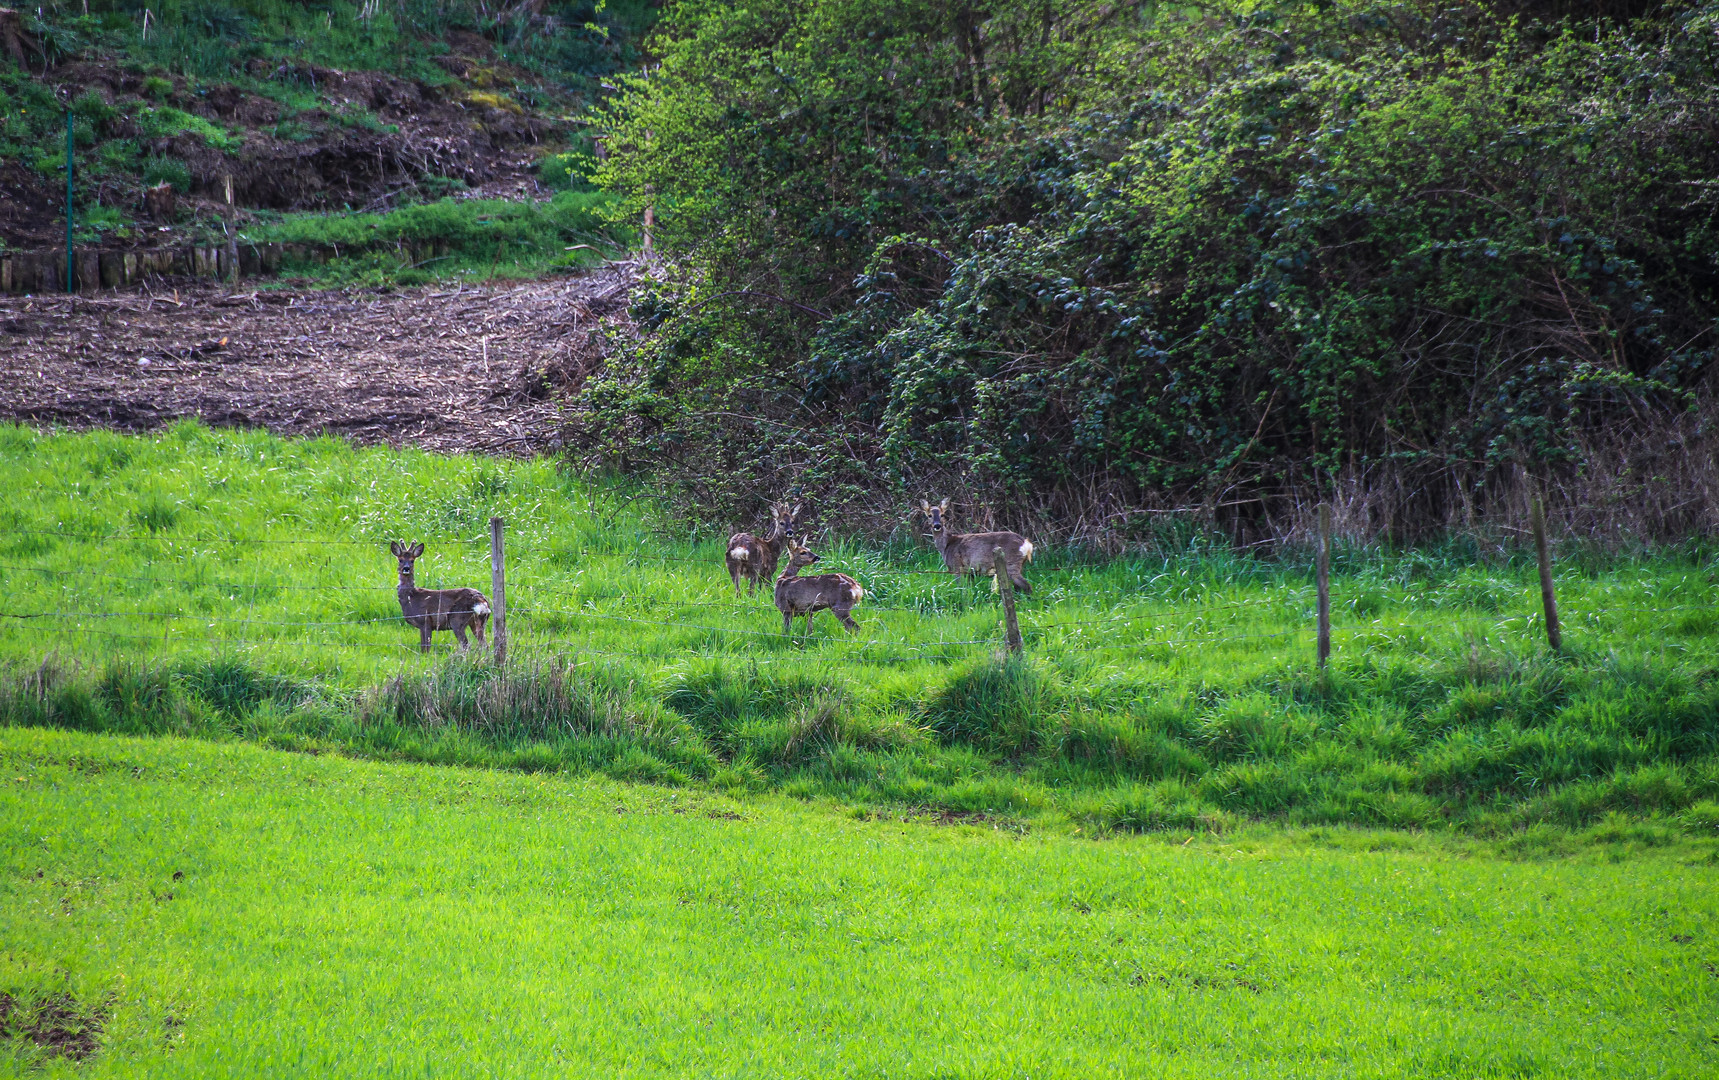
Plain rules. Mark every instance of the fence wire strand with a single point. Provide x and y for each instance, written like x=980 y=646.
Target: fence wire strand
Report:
x=1196 y=616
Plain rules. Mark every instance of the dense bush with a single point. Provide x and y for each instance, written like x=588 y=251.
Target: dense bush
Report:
x=1081 y=259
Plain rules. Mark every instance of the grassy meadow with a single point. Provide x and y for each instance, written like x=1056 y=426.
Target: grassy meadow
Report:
x=224 y=909
x=234 y=585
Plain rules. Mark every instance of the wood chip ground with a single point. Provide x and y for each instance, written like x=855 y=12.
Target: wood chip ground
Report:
x=448 y=368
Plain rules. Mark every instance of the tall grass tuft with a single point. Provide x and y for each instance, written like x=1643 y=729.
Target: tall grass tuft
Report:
x=1005 y=706
x=544 y=700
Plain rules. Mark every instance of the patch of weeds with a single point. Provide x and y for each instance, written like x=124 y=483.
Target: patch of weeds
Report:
x=156 y=514
x=167 y=170
x=164 y=122
x=291 y=130
x=1701 y=819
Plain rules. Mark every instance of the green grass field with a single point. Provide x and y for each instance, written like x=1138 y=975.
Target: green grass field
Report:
x=231 y=584
x=230 y=910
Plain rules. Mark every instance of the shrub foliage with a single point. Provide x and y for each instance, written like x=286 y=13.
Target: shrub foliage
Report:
x=1076 y=259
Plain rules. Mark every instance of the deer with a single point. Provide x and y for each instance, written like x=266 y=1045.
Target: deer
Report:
x=755 y=559
x=796 y=595
x=437 y=609
x=965 y=553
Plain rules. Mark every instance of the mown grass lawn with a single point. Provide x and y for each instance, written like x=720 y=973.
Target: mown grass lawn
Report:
x=239 y=911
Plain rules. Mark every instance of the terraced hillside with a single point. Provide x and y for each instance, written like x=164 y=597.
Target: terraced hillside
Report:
x=215 y=122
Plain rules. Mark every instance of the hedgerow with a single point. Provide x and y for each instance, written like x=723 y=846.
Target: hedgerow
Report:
x=1405 y=254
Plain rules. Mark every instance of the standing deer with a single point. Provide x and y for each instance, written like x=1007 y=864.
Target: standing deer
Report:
x=796 y=595
x=438 y=609
x=965 y=553
x=755 y=559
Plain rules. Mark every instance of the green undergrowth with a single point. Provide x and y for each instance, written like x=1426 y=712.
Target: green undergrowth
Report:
x=448 y=238
x=232 y=585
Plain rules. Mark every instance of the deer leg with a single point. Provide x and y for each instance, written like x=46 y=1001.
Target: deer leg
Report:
x=788 y=623
x=809 y=615
x=1020 y=581
x=846 y=618
x=477 y=627
x=460 y=633
x=424 y=638
x=734 y=572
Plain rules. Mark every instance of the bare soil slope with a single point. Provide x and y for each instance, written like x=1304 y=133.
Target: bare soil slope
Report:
x=445 y=368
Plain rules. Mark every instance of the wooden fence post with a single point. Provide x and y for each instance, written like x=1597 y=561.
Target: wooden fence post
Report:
x=498 y=589
x=1322 y=577
x=1543 y=552
x=1006 y=586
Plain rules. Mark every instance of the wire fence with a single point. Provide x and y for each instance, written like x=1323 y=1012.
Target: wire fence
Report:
x=552 y=611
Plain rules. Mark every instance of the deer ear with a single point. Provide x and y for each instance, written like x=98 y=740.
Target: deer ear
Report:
x=394 y=549
x=795 y=512
x=415 y=550
x=925 y=506
x=944 y=506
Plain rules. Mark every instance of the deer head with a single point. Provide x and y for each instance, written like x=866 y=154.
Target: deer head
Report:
x=406 y=555
x=800 y=555
x=934 y=515
x=782 y=518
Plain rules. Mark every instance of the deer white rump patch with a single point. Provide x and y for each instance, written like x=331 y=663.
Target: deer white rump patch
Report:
x=739 y=554
x=1027 y=550
x=480 y=608
x=858 y=593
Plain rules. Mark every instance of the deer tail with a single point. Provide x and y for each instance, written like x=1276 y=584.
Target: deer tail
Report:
x=1026 y=551
x=739 y=553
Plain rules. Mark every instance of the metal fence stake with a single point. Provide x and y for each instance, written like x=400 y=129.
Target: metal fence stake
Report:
x=498 y=589
x=69 y=212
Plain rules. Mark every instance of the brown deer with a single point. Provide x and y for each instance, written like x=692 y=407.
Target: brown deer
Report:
x=437 y=609
x=796 y=595
x=966 y=553
x=755 y=559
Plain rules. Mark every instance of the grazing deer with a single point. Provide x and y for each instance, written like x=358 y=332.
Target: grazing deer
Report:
x=437 y=609
x=755 y=559
x=796 y=595
x=965 y=553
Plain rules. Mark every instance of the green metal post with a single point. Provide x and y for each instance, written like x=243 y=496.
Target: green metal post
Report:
x=69 y=200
